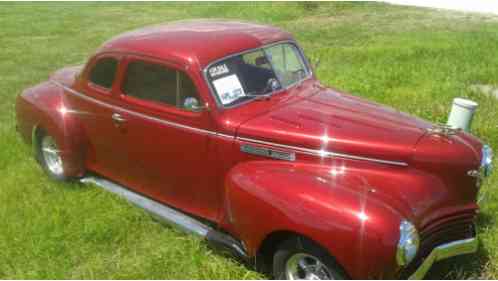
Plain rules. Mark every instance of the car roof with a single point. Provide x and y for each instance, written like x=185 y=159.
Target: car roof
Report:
x=203 y=41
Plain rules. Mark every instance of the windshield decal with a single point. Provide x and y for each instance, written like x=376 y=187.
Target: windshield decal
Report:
x=229 y=88
x=218 y=70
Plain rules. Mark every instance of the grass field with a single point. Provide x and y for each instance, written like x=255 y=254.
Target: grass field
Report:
x=416 y=60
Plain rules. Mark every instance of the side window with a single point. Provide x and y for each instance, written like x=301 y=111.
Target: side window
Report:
x=104 y=72
x=158 y=83
x=151 y=82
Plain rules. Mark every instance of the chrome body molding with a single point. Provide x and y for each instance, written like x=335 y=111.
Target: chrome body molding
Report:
x=173 y=217
x=158 y=210
x=323 y=153
x=294 y=149
x=455 y=248
x=268 y=152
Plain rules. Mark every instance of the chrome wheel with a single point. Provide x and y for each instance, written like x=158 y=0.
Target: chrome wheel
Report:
x=51 y=156
x=306 y=267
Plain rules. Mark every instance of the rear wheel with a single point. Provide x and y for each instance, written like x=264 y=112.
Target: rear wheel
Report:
x=300 y=259
x=50 y=157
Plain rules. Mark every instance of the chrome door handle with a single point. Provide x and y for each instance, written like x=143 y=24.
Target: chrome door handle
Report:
x=117 y=118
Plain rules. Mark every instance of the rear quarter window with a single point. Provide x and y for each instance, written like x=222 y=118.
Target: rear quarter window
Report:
x=103 y=72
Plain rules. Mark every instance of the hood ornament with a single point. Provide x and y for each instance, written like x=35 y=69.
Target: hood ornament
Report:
x=443 y=130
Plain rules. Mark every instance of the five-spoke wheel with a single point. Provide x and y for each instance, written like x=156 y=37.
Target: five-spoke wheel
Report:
x=302 y=266
x=299 y=258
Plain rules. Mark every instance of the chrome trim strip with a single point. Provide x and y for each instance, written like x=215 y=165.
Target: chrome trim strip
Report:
x=324 y=153
x=224 y=136
x=268 y=152
x=313 y=152
x=455 y=248
x=158 y=210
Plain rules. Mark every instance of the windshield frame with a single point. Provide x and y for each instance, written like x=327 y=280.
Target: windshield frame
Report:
x=262 y=48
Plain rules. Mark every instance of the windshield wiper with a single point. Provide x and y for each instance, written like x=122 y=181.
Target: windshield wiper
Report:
x=258 y=95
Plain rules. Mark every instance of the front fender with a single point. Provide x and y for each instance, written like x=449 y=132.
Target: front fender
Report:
x=334 y=207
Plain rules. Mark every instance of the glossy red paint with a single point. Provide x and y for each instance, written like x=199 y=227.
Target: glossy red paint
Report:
x=351 y=204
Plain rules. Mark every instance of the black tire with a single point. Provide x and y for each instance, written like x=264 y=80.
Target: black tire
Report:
x=41 y=158
x=300 y=246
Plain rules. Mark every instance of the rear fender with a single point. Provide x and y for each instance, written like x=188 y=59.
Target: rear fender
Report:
x=42 y=108
x=331 y=206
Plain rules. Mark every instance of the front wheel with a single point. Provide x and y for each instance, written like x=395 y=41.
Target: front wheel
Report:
x=300 y=259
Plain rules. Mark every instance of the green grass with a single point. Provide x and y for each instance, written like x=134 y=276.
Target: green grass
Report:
x=416 y=60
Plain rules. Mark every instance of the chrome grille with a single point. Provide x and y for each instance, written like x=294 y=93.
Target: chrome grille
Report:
x=457 y=226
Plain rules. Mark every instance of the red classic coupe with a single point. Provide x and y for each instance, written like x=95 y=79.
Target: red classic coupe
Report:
x=222 y=129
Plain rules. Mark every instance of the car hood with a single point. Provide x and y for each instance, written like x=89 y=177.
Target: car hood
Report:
x=336 y=122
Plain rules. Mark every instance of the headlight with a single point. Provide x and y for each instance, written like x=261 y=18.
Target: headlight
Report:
x=487 y=160
x=408 y=243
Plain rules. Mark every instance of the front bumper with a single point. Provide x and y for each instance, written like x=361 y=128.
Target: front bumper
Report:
x=455 y=248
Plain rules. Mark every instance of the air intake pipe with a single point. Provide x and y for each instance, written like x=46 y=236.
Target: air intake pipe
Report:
x=462 y=113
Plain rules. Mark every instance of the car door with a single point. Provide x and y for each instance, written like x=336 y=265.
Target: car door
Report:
x=93 y=104
x=168 y=145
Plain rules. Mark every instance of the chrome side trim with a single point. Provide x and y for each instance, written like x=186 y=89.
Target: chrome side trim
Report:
x=323 y=153
x=267 y=152
x=158 y=210
x=460 y=247
x=173 y=217
x=313 y=152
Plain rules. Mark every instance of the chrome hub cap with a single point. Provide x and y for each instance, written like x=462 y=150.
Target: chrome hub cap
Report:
x=306 y=267
x=51 y=155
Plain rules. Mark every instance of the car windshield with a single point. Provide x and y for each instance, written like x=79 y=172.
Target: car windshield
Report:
x=256 y=73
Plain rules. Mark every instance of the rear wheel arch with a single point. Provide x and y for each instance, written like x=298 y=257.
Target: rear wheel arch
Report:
x=75 y=161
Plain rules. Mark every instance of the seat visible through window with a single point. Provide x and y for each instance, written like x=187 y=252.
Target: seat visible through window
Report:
x=150 y=82
x=158 y=83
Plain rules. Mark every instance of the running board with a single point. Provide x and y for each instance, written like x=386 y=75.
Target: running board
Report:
x=173 y=217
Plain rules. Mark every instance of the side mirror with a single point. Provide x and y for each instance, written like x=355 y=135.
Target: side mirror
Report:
x=272 y=84
x=192 y=104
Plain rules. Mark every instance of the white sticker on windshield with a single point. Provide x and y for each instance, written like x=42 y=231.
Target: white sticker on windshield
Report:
x=229 y=88
x=218 y=70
